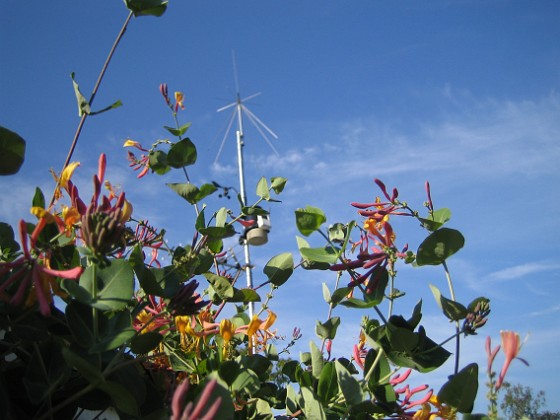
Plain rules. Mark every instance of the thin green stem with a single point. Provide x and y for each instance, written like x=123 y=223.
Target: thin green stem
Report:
x=92 y=97
x=380 y=353
x=457 y=325
x=94 y=310
x=391 y=296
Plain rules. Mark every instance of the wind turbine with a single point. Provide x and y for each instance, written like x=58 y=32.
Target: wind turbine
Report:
x=240 y=110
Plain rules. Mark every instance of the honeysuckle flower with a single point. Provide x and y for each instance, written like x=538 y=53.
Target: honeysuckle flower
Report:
x=186 y=300
x=146 y=236
x=491 y=354
x=179 y=97
x=433 y=409
x=31 y=272
x=142 y=164
x=407 y=403
x=154 y=316
x=165 y=93
x=102 y=225
x=379 y=210
x=63 y=179
x=511 y=346
x=132 y=143
x=189 y=411
x=400 y=378
x=258 y=331
x=429 y=203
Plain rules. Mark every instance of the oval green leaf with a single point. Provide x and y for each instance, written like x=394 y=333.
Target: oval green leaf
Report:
x=12 y=152
x=439 y=246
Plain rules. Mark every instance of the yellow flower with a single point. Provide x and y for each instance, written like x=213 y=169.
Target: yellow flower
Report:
x=70 y=215
x=179 y=97
x=441 y=411
x=41 y=213
x=259 y=331
x=183 y=324
x=131 y=143
x=226 y=330
x=67 y=173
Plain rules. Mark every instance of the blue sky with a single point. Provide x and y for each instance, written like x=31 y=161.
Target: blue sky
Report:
x=464 y=94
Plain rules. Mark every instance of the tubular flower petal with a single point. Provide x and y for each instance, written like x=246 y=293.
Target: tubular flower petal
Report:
x=67 y=173
x=226 y=330
x=511 y=346
x=179 y=97
x=31 y=273
x=132 y=143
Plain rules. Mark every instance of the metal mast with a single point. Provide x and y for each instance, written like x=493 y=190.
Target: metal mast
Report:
x=239 y=110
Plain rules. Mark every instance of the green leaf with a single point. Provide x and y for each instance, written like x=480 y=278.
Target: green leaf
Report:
x=309 y=219
x=115 y=332
x=92 y=374
x=309 y=264
x=183 y=153
x=44 y=381
x=221 y=285
x=80 y=323
x=114 y=105
x=461 y=389
x=327 y=387
x=145 y=342
x=416 y=316
x=358 y=303
x=292 y=405
x=279 y=268
x=451 y=309
x=316 y=360
x=12 y=152
x=229 y=370
x=326 y=293
x=277 y=184
x=327 y=330
x=254 y=211
x=8 y=244
x=439 y=246
x=38 y=198
x=262 y=189
x=246 y=380
x=337 y=232
x=378 y=281
x=178 y=132
x=83 y=104
x=312 y=407
x=75 y=290
x=350 y=387
x=122 y=398
x=437 y=219
x=339 y=294
x=158 y=162
x=321 y=255
x=245 y=295
x=401 y=339
x=190 y=192
x=146 y=7
x=113 y=286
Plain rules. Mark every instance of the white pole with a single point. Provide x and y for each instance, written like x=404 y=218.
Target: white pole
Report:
x=243 y=195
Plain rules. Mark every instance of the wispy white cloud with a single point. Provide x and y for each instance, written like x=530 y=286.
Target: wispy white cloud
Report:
x=522 y=270
x=546 y=311
x=483 y=139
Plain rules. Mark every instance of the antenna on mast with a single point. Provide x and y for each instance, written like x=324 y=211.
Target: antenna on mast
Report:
x=240 y=109
x=257 y=234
